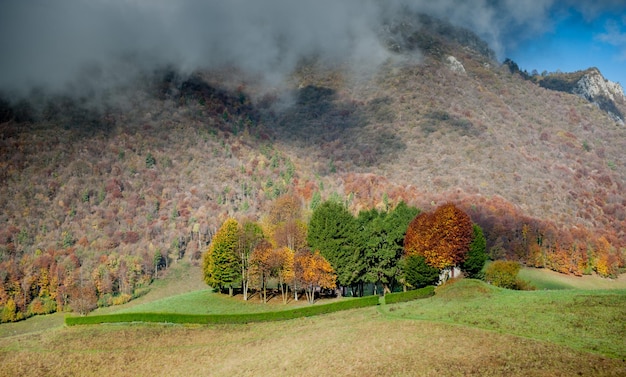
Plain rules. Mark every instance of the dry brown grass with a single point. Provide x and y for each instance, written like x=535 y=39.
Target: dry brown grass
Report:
x=353 y=343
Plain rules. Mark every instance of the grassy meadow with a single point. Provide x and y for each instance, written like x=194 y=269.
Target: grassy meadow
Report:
x=467 y=328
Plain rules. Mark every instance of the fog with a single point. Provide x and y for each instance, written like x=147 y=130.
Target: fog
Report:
x=104 y=43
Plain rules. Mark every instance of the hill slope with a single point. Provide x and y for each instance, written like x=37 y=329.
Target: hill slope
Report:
x=103 y=196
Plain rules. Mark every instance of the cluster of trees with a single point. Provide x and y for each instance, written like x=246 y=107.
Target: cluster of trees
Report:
x=249 y=255
x=58 y=280
x=391 y=249
x=538 y=243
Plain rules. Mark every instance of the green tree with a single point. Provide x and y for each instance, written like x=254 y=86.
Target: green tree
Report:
x=221 y=264
x=332 y=231
x=476 y=256
x=417 y=273
x=381 y=237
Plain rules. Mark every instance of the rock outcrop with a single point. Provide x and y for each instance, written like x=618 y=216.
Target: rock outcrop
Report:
x=455 y=65
x=593 y=87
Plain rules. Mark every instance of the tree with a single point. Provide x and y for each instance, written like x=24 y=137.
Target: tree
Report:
x=251 y=234
x=316 y=272
x=417 y=273
x=441 y=237
x=221 y=265
x=381 y=237
x=332 y=231
x=261 y=265
x=284 y=223
x=476 y=256
x=283 y=262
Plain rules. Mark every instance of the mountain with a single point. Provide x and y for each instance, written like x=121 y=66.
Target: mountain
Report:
x=99 y=197
x=592 y=86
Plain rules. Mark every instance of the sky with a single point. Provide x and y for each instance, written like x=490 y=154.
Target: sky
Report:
x=102 y=43
x=575 y=42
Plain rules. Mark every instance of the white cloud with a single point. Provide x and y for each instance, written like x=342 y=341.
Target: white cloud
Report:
x=615 y=35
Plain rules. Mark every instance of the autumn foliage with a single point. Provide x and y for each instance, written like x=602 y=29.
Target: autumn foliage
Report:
x=314 y=271
x=441 y=237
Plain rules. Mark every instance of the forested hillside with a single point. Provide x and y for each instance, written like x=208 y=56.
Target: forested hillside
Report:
x=98 y=197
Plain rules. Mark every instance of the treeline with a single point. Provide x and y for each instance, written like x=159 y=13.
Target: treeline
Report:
x=394 y=248
x=62 y=280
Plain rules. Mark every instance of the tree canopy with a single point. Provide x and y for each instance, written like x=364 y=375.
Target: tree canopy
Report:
x=441 y=237
x=381 y=237
x=476 y=255
x=221 y=264
x=332 y=231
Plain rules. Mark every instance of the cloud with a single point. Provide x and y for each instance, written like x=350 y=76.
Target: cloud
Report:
x=615 y=35
x=51 y=43
x=48 y=42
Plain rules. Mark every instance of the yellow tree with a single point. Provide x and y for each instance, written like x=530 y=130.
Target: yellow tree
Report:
x=261 y=265
x=442 y=237
x=315 y=272
x=284 y=224
x=283 y=263
x=221 y=263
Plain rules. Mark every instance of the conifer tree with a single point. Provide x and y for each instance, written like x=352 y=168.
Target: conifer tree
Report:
x=221 y=264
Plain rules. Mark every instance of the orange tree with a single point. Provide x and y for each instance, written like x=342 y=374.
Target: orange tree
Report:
x=313 y=271
x=262 y=265
x=442 y=237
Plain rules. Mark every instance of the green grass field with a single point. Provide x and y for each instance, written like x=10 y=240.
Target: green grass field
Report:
x=593 y=321
x=468 y=328
x=545 y=279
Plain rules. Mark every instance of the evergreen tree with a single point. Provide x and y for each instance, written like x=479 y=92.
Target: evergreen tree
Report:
x=476 y=256
x=221 y=263
x=381 y=236
x=332 y=231
x=417 y=273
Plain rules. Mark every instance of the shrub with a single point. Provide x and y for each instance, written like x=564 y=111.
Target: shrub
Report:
x=504 y=274
x=150 y=160
x=417 y=273
x=9 y=312
x=105 y=300
x=121 y=299
x=41 y=305
x=392 y=298
x=225 y=318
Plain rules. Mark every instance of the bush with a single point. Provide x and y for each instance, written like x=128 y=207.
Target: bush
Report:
x=41 y=305
x=121 y=299
x=150 y=160
x=417 y=273
x=392 y=298
x=502 y=273
x=9 y=312
x=105 y=300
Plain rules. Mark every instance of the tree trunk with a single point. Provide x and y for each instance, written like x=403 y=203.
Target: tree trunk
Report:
x=386 y=289
x=230 y=290
x=295 y=291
